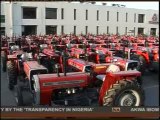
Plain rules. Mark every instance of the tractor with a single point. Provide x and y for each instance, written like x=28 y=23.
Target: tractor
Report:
x=6 y=50
x=118 y=88
x=15 y=64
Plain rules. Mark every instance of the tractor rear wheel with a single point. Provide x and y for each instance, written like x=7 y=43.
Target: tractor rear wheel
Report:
x=124 y=93
x=4 y=61
x=12 y=74
x=142 y=61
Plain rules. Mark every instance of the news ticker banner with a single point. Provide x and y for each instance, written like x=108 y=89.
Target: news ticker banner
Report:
x=80 y=109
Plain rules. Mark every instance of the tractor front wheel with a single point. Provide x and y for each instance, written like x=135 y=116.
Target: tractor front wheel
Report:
x=124 y=93
x=12 y=74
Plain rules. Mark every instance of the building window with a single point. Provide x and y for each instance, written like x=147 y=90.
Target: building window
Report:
x=140 y=31
x=74 y=14
x=107 y=15
x=117 y=16
x=86 y=14
x=107 y=29
x=2 y=30
x=62 y=13
x=2 y=18
x=97 y=15
x=126 y=17
x=117 y=30
x=134 y=31
x=51 y=13
x=86 y=30
x=51 y=29
x=134 y=17
x=29 y=30
x=153 y=31
x=74 y=30
x=140 y=18
x=62 y=29
x=126 y=30
x=29 y=12
x=97 y=30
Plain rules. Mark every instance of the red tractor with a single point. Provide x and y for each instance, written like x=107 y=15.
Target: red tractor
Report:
x=15 y=64
x=6 y=50
x=118 y=88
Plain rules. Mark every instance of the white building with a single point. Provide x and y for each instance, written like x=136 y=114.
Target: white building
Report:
x=18 y=18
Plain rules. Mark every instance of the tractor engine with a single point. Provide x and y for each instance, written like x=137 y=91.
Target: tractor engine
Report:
x=31 y=68
x=51 y=89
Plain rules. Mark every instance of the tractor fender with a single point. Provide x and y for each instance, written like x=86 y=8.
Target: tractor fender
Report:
x=145 y=56
x=112 y=78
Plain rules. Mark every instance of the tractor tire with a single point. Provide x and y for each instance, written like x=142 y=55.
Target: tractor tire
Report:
x=4 y=62
x=142 y=62
x=23 y=96
x=12 y=74
x=124 y=93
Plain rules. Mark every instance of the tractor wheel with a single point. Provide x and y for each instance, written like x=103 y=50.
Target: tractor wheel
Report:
x=142 y=61
x=4 y=61
x=23 y=96
x=12 y=74
x=124 y=93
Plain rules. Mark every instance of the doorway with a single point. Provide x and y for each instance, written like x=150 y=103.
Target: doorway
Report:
x=140 y=31
x=29 y=30
x=51 y=29
x=153 y=31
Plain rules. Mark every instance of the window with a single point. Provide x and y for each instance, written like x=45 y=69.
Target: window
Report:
x=86 y=30
x=2 y=18
x=107 y=29
x=62 y=29
x=134 y=31
x=86 y=14
x=51 y=13
x=107 y=15
x=140 y=18
x=62 y=13
x=117 y=30
x=97 y=15
x=135 y=17
x=126 y=30
x=74 y=14
x=117 y=16
x=126 y=17
x=2 y=30
x=140 y=31
x=51 y=29
x=97 y=30
x=27 y=13
x=74 y=30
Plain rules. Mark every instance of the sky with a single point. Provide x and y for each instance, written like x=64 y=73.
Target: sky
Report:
x=139 y=5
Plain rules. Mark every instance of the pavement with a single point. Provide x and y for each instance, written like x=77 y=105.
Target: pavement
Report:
x=150 y=86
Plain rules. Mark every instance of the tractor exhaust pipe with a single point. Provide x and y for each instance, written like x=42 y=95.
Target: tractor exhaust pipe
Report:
x=64 y=62
x=57 y=69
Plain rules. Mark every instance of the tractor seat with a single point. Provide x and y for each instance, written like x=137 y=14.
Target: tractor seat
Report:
x=112 y=68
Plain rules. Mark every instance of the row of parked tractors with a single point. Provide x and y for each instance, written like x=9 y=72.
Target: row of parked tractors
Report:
x=69 y=70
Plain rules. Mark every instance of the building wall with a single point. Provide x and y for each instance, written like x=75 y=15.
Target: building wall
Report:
x=14 y=21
